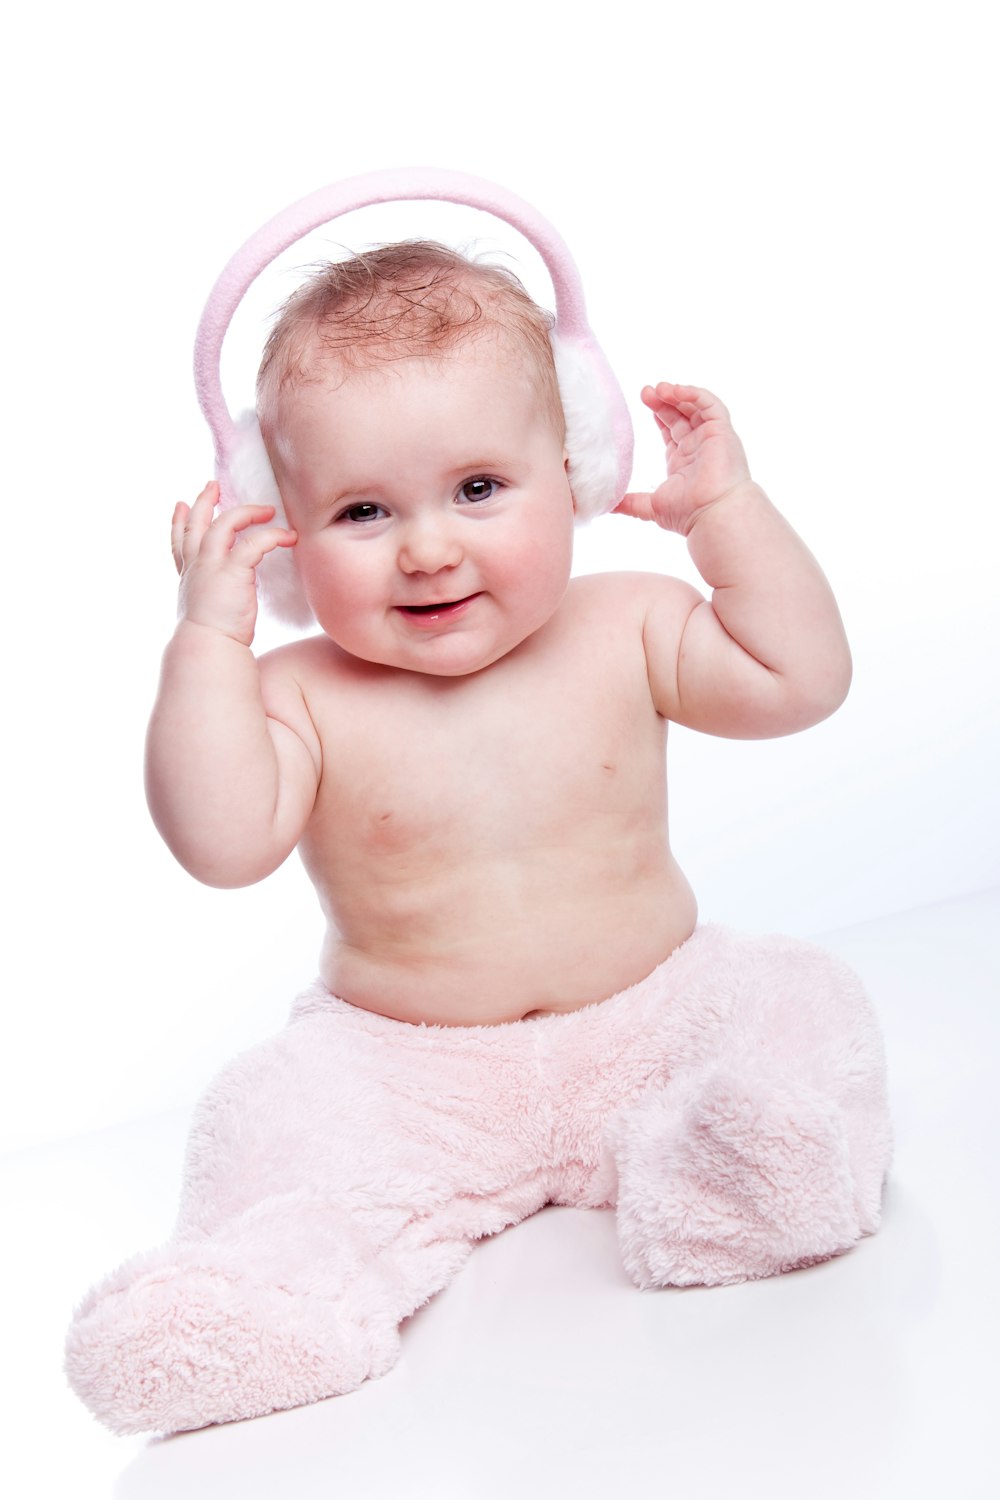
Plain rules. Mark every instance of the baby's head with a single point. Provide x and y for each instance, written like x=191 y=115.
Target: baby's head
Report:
x=412 y=300
x=409 y=403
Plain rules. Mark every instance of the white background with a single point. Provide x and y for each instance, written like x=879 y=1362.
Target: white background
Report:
x=788 y=204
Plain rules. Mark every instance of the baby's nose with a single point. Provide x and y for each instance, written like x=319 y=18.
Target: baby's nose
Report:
x=428 y=545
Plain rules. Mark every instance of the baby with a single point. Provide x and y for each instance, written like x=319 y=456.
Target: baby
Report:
x=470 y=757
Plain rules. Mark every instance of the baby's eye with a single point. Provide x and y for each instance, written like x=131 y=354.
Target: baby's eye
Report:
x=361 y=513
x=479 y=489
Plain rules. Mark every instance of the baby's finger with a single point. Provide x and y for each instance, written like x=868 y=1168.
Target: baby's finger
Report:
x=190 y=525
x=226 y=527
x=692 y=400
x=672 y=421
x=636 y=503
x=177 y=523
x=202 y=510
x=253 y=545
x=673 y=424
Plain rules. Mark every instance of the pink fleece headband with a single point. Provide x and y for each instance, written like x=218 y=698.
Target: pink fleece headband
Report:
x=598 y=428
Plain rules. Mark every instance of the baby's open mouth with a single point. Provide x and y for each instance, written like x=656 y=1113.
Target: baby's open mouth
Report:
x=442 y=607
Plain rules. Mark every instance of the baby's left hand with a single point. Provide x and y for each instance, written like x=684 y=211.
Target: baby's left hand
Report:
x=705 y=458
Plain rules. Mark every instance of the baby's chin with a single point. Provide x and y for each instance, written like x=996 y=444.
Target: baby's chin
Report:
x=427 y=666
x=446 y=656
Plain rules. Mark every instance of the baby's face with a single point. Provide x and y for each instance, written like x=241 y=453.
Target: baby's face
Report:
x=433 y=511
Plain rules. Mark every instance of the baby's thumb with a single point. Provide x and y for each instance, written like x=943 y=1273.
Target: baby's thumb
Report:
x=637 y=503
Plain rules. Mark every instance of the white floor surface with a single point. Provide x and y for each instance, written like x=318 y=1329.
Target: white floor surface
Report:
x=542 y=1372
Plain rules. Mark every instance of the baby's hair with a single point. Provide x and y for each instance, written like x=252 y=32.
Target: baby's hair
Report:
x=411 y=299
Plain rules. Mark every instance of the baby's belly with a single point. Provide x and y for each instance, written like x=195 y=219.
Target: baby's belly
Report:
x=535 y=957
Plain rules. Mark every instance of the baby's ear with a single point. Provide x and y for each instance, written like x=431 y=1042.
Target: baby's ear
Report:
x=566 y=469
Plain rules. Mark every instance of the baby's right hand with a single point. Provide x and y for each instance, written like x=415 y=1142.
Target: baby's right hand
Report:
x=217 y=561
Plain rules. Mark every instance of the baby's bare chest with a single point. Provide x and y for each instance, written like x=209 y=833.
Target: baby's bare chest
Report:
x=516 y=763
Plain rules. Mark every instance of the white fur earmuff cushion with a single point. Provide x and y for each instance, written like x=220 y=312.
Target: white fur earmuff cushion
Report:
x=252 y=482
x=590 y=435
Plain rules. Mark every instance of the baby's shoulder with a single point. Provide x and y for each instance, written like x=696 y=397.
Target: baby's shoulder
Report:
x=299 y=660
x=627 y=597
x=298 y=675
x=609 y=618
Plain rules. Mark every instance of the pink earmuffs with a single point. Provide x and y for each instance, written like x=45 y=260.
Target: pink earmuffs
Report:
x=598 y=428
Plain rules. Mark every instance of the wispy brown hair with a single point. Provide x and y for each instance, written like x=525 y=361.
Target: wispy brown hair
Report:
x=414 y=298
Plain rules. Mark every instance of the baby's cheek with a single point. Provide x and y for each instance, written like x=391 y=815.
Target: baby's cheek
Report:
x=328 y=587
x=324 y=567
x=550 y=561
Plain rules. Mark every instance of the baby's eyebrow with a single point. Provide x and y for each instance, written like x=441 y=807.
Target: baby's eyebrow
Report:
x=346 y=492
x=483 y=465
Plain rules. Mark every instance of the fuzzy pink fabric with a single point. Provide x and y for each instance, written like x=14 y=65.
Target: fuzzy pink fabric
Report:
x=731 y=1107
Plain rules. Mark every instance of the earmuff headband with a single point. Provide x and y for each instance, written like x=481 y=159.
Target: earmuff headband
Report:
x=391 y=186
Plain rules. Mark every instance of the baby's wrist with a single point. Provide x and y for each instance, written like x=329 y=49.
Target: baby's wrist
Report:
x=745 y=495
x=197 y=635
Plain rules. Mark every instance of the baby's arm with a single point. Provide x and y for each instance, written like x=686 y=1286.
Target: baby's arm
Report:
x=767 y=655
x=231 y=778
